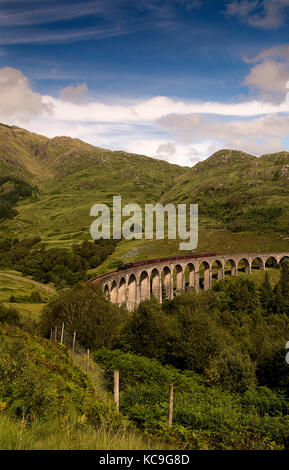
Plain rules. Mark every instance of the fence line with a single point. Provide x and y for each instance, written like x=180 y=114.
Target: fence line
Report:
x=116 y=389
x=109 y=384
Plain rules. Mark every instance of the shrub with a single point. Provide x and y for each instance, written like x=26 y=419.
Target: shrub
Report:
x=35 y=297
x=9 y=315
x=85 y=310
x=147 y=332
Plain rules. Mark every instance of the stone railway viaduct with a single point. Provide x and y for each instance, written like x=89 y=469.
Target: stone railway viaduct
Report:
x=164 y=279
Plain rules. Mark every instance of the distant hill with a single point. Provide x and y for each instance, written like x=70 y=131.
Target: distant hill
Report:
x=71 y=176
x=238 y=191
x=243 y=200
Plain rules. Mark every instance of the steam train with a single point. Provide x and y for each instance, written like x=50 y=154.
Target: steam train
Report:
x=150 y=261
x=161 y=260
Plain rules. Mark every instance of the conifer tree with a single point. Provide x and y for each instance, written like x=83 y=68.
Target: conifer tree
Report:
x=266 y=294
x=278 y=301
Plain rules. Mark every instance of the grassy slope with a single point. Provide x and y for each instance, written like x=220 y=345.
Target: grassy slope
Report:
x=12 y=283
x=228 y=182
x=70 y=402
x=233 y=183
x=73 y=175
x=65 y=436
x=205 y=417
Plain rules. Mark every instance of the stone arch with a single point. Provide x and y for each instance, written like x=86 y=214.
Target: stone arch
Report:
x=258 y=263
x=156 y=285
x=230 y=267
x=144 y=282
x=271 y=262
x=243 y=266
x=113 y=292
x=167 y=283
x=218 y=270
x=121 y=295
x=205 y=275
x=190 y=275
x=178 y=277
x=131 y=289
x=131 y=292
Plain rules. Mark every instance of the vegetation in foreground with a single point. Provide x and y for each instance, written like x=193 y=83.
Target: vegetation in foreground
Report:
x=47 y=402
x=206 y=416
x=223 y=349
x=69 y=435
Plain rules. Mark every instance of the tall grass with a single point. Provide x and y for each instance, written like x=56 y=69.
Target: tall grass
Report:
x=56 y=435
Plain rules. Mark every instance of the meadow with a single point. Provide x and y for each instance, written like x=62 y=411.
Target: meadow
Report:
x=14 y=285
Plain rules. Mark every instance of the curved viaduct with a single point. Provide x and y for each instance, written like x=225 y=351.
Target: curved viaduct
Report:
x=164 y=279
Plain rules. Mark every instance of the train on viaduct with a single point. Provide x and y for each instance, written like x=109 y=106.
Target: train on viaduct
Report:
x=163 y=278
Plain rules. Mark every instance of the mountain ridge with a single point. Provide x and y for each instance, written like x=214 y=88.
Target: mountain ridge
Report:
x=48 y=149
x=243 y=199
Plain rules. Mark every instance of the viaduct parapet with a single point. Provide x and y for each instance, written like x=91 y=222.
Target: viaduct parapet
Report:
x=165 y=278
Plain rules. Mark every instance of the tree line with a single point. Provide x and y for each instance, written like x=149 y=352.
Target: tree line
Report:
x=13 y=189
x=233 y=335
x=60 y=266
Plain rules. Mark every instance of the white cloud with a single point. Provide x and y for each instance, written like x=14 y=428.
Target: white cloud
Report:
x=270 y=74
x=191 y=4
x=26 y=23
x=183 y=154
x=280 y=52
x=269 y=77
x=43 y=12
x=266 y=14
x=179 y=131
x=166 y=149
x=75 y=94
x=17 y=100
x=146 y=111
x=259 y=135
x=242 y=9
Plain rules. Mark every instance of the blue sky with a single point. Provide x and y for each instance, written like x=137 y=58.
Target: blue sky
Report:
x=174 y=79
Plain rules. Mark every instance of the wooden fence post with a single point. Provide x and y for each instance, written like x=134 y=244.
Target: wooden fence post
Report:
x=171 y=404
x=73 y=342
x=87 y=361
x=116 y=389
x=55 y=334
x=51 y=335
x=62 y=333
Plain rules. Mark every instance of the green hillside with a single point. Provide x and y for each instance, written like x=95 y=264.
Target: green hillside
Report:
x=28 y=296
x=238 y=192
x=72 y=176
x=243 y=200
x=243 y=207
x=47 y=402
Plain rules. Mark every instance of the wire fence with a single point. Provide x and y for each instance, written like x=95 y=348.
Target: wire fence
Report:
x=167 y=399
x=81 y=356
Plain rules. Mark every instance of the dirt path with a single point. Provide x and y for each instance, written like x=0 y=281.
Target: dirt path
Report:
x=20 y=278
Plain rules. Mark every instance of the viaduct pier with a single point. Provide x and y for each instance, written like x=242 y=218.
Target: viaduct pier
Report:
x=166 y=277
